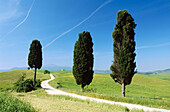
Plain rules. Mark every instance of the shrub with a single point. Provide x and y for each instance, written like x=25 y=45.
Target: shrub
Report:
x=46 y=72
x=90 y=90
x=59 y=86
x=25 y=85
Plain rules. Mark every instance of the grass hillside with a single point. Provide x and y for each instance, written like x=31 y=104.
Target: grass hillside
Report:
x=12 y=104
x=164 y=76
x=33 y=101
x=149 y=91
x=8 y=78
x=143 y=90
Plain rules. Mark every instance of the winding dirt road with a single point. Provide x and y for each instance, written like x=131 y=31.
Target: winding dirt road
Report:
x=52 y=91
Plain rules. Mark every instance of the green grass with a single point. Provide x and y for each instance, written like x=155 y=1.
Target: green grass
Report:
x=148 y=91
x=164 y=76
x=11 y=104
x=143 y=90
x=8 y=78
x=54 y=103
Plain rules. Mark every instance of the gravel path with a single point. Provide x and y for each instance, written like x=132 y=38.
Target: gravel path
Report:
x=52 y=91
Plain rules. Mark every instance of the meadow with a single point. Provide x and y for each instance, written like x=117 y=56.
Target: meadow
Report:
x=144 y=90
x=8 y=78
x=43 y=102
x=38 y=100
x=164 y=76
x=12 y=104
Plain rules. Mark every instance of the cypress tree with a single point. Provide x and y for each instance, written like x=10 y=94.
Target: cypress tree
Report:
x=123 y=67
x=35 y=57
x=83 y=60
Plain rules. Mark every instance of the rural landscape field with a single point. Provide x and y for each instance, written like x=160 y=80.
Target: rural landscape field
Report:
x=144 y=90
x=84 y=56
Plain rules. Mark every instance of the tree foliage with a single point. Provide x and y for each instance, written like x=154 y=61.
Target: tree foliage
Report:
x=35 y=56
x=83 y=59
x=46 y=72
x=123 y=67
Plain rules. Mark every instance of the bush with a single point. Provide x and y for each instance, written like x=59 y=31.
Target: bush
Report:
x=90 y=90
x=46 y=72
x=25 y=85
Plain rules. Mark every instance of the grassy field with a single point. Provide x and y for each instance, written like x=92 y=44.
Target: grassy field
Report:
x=8 y=78
x=53 y=103
x=38 y=100
x=164 y=76
x=12 y=104
x=148 y=91
x=143 y=90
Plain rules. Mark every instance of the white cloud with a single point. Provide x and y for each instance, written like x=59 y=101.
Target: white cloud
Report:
x=9 y=9
x=21 y=21
x=152 y=46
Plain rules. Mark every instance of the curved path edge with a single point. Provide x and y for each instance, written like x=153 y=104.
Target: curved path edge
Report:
x=52 y=91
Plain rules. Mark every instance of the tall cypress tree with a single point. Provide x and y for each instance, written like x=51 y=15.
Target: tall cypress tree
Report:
x=35 y=57
x=83 y=60
x=123 y=67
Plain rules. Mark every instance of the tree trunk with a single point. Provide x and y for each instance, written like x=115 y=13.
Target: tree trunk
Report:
x=82 y=87
x=123 y=89
x=34 y=78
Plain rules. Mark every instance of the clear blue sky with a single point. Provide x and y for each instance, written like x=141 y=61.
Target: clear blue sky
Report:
x=48 y=19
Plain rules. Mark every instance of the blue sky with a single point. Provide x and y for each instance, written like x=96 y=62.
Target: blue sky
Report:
x=22 y=21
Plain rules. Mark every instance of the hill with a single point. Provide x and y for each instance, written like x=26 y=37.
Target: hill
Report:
x=53 y=67
x=103 y=71
x=50 y=67
x=9 y=77
x=143 y=90
x=39 y=97
x=164 y=76
x=157 y=71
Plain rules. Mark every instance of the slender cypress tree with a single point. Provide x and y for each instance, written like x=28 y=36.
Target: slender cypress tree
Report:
x=35 y=57
x=83 y=60
x=123 y=67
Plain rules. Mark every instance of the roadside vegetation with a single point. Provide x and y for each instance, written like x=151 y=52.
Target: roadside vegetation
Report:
x=55 y=103
x=147 y=91
x=12 y=104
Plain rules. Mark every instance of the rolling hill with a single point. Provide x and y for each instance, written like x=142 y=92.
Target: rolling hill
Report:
x=9 y=77
x=144 y=90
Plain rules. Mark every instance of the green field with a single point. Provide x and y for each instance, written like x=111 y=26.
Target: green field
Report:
x=54 y=103
x=148 y=91
x=8 y=78
x=164 y=76
x=151 y=90
x=38 y=100
x=12 y=104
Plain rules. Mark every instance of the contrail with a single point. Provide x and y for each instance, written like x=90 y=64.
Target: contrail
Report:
x=159 y=45
x=21 y=21
x=105 y=3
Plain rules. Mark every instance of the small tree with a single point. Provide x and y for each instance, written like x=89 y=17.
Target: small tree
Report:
x=35 y=57
x=83 y=60
x=46 y=72
x=123 y=67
